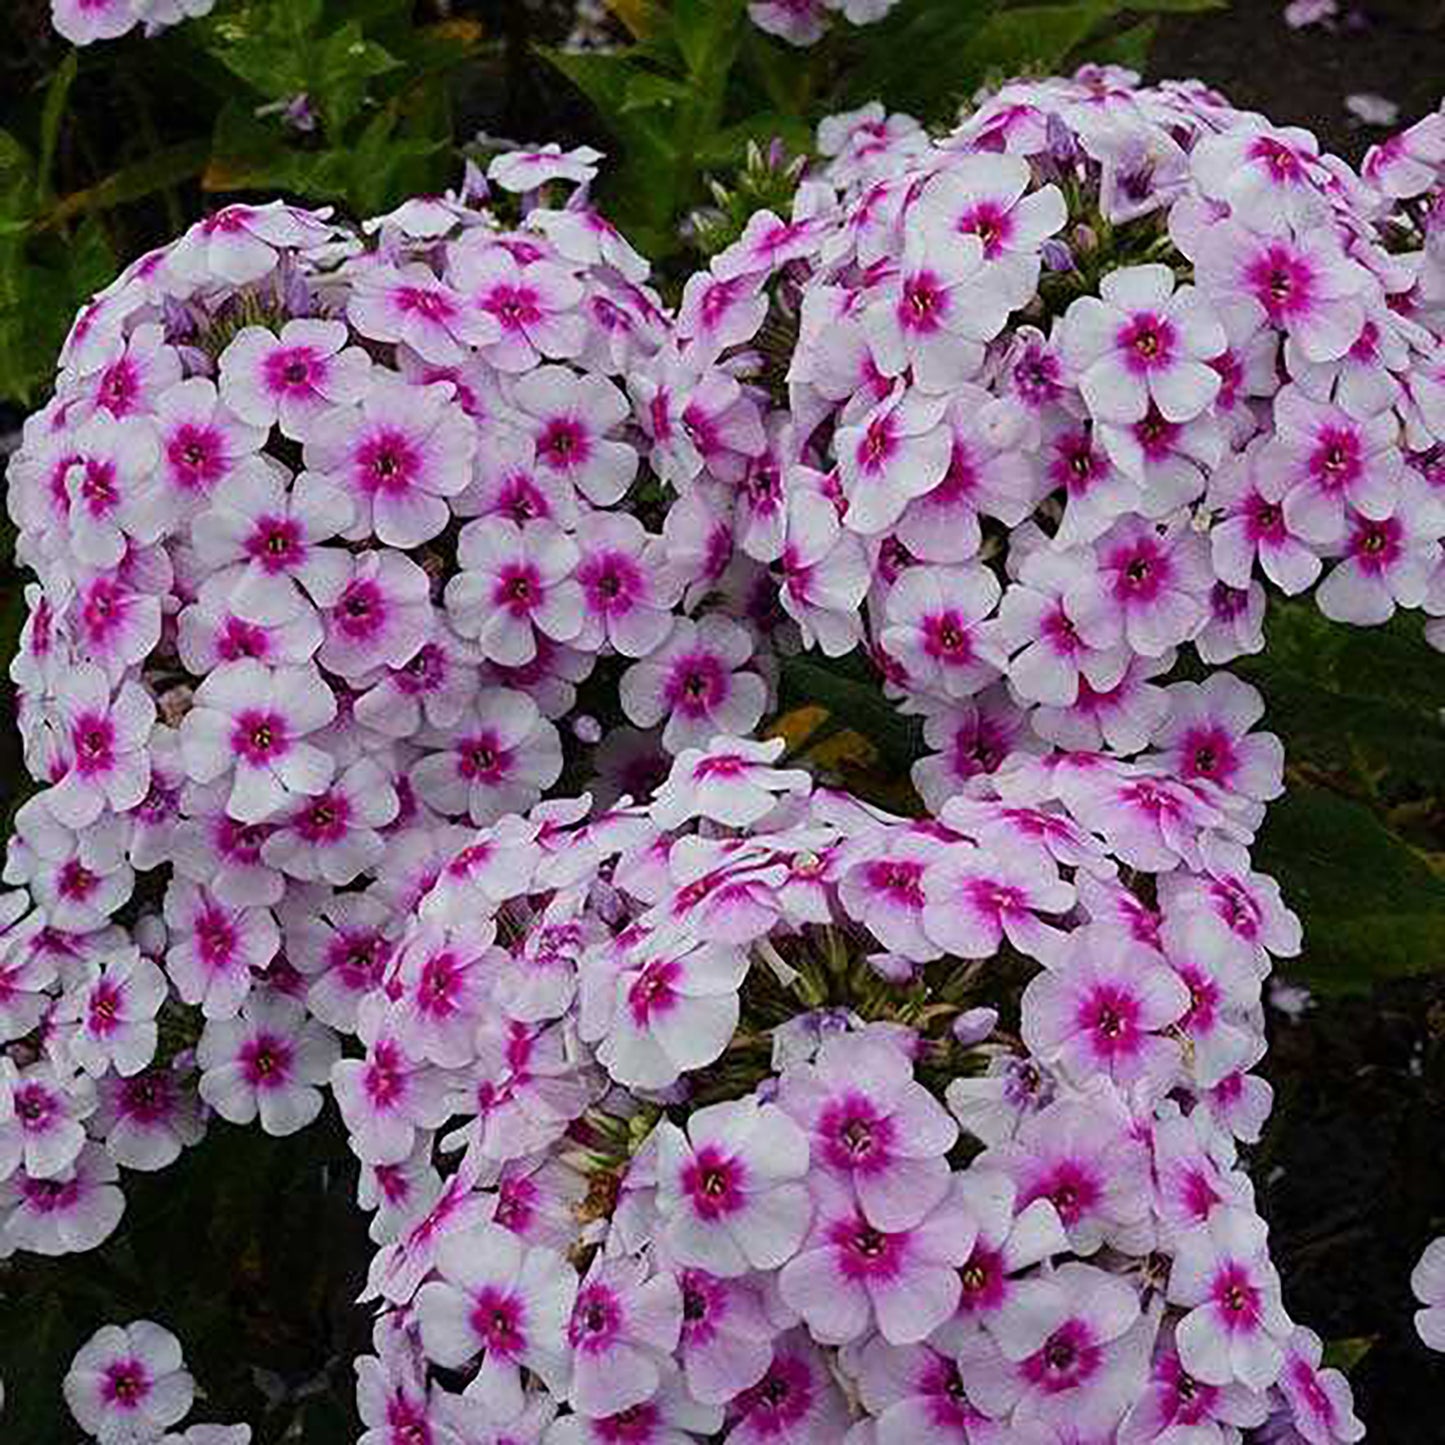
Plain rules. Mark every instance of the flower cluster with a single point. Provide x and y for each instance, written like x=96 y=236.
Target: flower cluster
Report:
x=1074 y=387
x=804 y=22
x=757 y=1109
x=83 y=21
x=128 y=1385
x=330 y=527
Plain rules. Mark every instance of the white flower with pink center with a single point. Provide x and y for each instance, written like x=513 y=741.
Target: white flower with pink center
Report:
x=1207 y=740
x=1387 y=562
x=112 y=1014
x=1254 y=526
x=896 y=452
x=1147 y=588
x=718 y=312
x=731 y=781
x=506 y=1301
x=128 y=1383
x=267 y=1061
x=68 y=1214
x=249 y=724
x=695 y=681
x=872 y=1128
x=241 y=244
x=624 y=1327
x=1304 y=285
x=1320 y=1399
x=697 y=417
x=202 y=442
x=850 y=1274
x=1141 y=340
x=628 y=590
x=730 y=1189
x=499 y=757
x=210 y=632
x=514 y=582
x=799 y=22
x=148 y=1119
x=1235 y=1327
x=106 y=739
x=569 y=418
x=398 y=455
x=881 y=886
x=669 y=1013
x=1270 y=176
x=1083 y=1160
x=534 y=306
x=797 y=1401
x=825 y=575
x=82 y=22
x=103 y=485
x=386 y=1098
x=115 y=623
x=1096 y=490
x=1328 y=460
x=726 y=1343
x=409 y=305
x=934 y=617
x=215 y=948
x=334 y=837
x=434 y=685
x=443 y=977
x=520 y=171
x=670 y=1417
x=77 y=879
x=1105 y=1008
x=45 y=1128
x=293 y=376
x=987 y=196
x=978 y=897
x=377 y=614
x=1076 y=1361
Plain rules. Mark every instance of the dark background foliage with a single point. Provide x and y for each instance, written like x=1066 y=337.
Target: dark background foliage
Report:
x=251 y=1248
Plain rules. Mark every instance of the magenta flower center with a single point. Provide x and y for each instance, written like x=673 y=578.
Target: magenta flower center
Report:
x=387 y=461
x=1148 y=342
x=653 y=991
x=1236 y=1299
x=497 y=1319
x=259 y=737
x=293 y=371
x=596 y=1320
x=1067 y=1360
x=265 y=1061
x=125 y=1384
x=713 y=1181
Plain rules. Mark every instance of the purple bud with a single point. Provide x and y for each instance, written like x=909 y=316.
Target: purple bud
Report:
x=1056 y=255
x=1085 y=238
x=586 y=729
x=974 y=1025
x=300 y=114
x=1063 y=143
x=777 y=153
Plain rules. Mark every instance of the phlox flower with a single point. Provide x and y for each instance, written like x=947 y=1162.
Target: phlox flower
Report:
x=202 y=442
x=569 y=418
x=726 y=1342
x=68 y=1214
x=398 y=456
x=1255 y=526
x=107 y=736
x=520 y=171
x=215 y=947
x=267 y=1060
x=720 y=308
x=671 y=1013
x=730 y=1189
x=825 y=575
x=240 y=244
x=625 y=1324
x=1427 y=1283
x=849 y=1274
x=627 y=589
x=797 y=1401
x=1139 y=341
x=502 y=1299
x=1174 y=1403
x=116 y=624
x=1388 y=561
x=1103 y=1007
x=881 y=886
x=334 y=836
x=915 y=1392
x=82 y=22
x=378 y=615
x=44 y=1132
x=387 y=1097
x=409 y=305
x=249 y=723
x=1096 y=489
x=513 y=582
x=933 y=628
x=695 y=681
x=1235 y=1327
x=293 y=376
x=147 y=1119
x=209 y=632
x=497 y=758
x=103 y=486
x=1320 y=1400
x=77 y=879
x=113 y=1012
x=1270 y=176
x=533 y=306
x=434 y=686
x=670 y=1417
x=442 y=977
x=732 y=781
x=896 y=452
x=128 y=1383
x=872 y=1128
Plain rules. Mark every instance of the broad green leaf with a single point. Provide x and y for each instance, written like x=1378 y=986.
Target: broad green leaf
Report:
x=858 y=702
x=158 y=171
x=1371 y=906
x=707 y=33
x=916 y=57
x=346 y=63
x=1129 y=47
x=1037 y=36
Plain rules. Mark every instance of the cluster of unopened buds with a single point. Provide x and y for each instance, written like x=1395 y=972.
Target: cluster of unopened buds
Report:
x=352 y=542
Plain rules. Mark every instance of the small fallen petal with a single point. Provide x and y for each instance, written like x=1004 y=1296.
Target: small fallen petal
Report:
x=1372 y=109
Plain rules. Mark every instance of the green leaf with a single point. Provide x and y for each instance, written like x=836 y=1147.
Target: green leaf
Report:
x=1371 y=906
x=707 y=32
x=346 y=65
x=57 y=93
x=916 y=57
x=1033 y=36
x=1129 y=47
x=858 y=702
x=1346 y=1354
